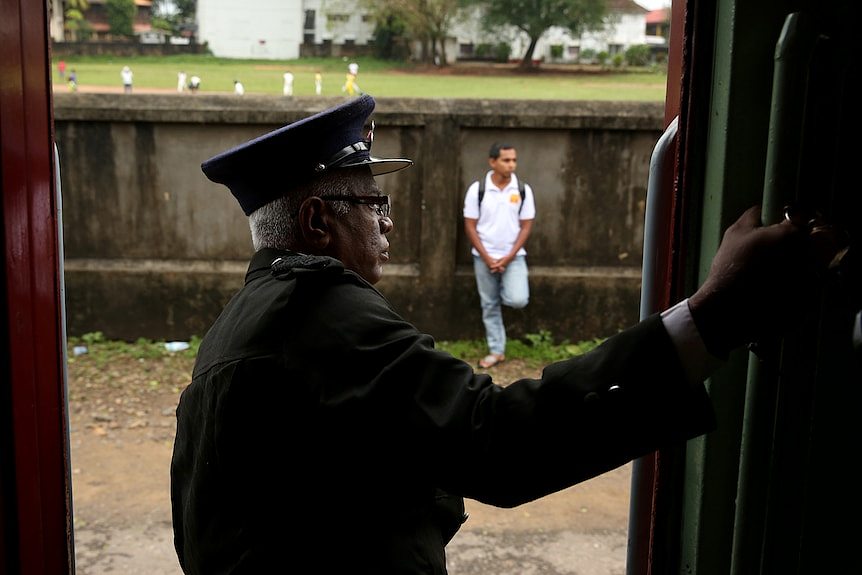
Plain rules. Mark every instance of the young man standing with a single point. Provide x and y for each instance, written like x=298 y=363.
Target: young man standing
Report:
x=498 y=223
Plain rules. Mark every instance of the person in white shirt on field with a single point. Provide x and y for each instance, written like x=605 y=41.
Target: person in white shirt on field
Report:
x=126 y=75
x=288 y=84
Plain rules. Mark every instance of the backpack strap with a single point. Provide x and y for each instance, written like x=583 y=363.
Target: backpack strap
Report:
x=522 y=189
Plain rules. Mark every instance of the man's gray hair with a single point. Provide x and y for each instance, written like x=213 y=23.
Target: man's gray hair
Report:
x=273 y=225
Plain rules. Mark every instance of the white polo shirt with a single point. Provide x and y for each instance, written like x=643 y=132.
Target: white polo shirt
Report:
x=499 y=220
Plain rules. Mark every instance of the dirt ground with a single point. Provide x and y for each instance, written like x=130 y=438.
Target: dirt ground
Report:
x=122 y=422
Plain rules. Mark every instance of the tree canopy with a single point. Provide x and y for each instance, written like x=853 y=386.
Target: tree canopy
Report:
x=535 y=17
x=426 y=20
x=121 y=16
x=173 y=15
x=73 y=17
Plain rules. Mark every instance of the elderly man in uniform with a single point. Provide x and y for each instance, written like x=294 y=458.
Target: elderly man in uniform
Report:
x=321 y=428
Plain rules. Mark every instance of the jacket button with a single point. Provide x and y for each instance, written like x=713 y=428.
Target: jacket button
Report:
x=591 y=397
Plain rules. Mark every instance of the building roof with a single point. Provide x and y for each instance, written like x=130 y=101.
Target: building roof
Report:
x=625 y=7
x=659 y=16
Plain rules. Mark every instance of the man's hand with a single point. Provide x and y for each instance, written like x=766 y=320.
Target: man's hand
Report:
x=498 y=266
x=761 y=283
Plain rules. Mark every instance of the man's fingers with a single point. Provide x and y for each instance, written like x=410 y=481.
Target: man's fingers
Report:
x=750 y=219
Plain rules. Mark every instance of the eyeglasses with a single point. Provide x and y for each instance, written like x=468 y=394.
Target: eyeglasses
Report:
x=381 y=203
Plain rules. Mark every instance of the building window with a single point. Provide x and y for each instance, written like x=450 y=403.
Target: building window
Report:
x=337 y=18
x=367 y=18
x=614 y=49
x=465 y=50
x=309 y=19
x=574 y=52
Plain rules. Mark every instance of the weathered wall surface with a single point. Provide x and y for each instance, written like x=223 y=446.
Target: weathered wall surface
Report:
x=154 y=249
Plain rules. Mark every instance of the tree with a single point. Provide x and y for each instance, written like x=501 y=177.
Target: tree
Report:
x=186 y=9
x=73 y=17
x=535 y=17
x=389 y=37
x=121 y=16
x=174 y=16
x=427 y=20
x=175 y=10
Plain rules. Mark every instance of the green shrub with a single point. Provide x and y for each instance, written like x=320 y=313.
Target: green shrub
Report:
x=557 y=52
x=535 y=349
x=502 y=50
x=638 y=55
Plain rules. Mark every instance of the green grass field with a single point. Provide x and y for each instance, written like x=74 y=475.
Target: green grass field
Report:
x=376 y=77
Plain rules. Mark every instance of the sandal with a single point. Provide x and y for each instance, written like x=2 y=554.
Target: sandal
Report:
x=491 y=360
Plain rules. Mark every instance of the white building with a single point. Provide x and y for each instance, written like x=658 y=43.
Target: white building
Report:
x=265 y=29
x=340 y=22
x=275 y=29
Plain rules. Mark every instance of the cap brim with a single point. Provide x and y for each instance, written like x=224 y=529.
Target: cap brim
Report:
x=380 y=165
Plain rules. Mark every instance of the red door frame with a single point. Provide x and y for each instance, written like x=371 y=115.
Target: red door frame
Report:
x=652 y=544
x=35 y=490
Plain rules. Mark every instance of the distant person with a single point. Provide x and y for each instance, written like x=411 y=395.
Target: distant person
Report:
x=318 y=83
x=194 y=84
x=181 y=81
x=498 y=223
x=127 y=75
x=287 y=89
x=351 y=87
x=73 y=81
x=238 y=88
x=61 y=68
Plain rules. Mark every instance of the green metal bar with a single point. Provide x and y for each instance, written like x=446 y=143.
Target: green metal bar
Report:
x=790 y=78
x=783 y=158
x=736 y=125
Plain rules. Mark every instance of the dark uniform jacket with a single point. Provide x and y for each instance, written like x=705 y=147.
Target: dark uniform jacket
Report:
x=322 y=433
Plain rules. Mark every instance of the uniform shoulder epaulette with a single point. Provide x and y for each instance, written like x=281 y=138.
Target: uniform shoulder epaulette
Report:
x=289 y=266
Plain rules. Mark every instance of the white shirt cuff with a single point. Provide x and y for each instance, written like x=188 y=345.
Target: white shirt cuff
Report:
x=697 y=362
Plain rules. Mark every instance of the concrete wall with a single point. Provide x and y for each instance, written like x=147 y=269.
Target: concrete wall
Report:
x=154 y=249
x=61 y=50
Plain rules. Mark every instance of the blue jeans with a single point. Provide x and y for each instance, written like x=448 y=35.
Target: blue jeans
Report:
x=511 y=288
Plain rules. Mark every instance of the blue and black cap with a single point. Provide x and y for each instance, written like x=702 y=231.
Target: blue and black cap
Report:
x=340 y=137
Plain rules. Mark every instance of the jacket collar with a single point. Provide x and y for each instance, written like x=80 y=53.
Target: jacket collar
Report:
x=261 y=262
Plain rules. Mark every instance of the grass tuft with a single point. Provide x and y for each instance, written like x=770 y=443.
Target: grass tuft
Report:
x=535 y=350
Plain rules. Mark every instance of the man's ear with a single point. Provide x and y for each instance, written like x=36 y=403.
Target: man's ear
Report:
x=313 y=222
